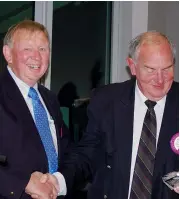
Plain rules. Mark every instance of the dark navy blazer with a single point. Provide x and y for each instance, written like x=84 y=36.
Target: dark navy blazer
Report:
x=104 y=153
x=20 y=141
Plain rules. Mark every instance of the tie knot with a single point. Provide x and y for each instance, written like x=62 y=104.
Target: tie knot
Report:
x=33 y=94
x=150 y=104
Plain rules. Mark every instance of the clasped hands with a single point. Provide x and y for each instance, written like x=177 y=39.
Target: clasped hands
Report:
x=42 y=186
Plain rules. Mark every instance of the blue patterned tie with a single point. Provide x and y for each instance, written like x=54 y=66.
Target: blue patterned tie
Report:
x=42 y=125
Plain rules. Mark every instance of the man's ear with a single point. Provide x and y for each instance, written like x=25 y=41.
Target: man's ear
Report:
x=131 y=65
x=7 y=54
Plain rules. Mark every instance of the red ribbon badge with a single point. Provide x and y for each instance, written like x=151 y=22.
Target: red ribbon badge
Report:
x=175 y=143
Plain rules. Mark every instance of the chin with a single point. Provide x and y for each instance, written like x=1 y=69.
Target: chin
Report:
x=158 y=95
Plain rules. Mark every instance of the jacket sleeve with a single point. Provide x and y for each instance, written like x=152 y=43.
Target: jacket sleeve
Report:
x=11 y=185
x=80 y=161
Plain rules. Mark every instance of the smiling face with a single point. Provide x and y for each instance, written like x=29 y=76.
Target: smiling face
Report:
x=154 y=69
x=29 y=55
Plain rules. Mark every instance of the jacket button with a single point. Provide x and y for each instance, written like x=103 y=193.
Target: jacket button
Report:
x=105 y=196
x=108 y=166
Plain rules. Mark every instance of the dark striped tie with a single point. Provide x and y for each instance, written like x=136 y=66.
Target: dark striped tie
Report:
x=144 y=166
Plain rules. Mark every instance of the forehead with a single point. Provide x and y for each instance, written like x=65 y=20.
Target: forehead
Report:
x=155 y=52
x=26 y=35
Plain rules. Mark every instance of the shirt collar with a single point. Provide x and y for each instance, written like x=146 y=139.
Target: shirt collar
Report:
x=23 y=87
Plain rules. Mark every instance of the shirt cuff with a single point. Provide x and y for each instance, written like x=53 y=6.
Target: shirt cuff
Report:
x=62 y=184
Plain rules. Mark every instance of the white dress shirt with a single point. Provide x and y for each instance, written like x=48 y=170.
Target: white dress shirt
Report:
x=140 y=109
x=24 y=89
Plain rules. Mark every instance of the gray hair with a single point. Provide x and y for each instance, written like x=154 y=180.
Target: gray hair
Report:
x=134 y=45
x=26 y=25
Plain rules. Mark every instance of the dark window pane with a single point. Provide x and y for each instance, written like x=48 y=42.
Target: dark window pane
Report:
x=80 y=45
x=12 y=12
x=80 y=56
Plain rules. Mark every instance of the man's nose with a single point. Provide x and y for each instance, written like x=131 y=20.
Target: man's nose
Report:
x=160 y=77
x=36 y=55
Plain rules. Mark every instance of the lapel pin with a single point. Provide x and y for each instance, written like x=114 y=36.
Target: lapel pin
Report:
x=175 y=143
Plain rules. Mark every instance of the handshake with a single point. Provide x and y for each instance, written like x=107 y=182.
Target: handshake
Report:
x=42 y=186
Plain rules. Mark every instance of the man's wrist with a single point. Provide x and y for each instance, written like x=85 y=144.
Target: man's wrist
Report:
x=62 y=184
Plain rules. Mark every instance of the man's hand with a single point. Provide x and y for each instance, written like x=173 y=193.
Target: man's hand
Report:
x=40 y=190
x=48 y=178
x=176 y=189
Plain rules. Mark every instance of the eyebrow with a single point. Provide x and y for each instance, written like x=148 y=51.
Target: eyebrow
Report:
x=162 y=68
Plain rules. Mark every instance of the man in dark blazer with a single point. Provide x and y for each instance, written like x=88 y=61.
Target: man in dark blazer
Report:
x=26 y=50
x=107 y=153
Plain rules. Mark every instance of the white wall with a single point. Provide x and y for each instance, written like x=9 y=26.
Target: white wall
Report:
x=43 y=14
x=132 y=18
x=163 y=16
x=129 y=19
x=121 y=33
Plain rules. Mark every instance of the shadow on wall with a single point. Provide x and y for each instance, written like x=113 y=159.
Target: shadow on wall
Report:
x=128 y=71
x=96 y=74
x=67 y=94
x=68 y=97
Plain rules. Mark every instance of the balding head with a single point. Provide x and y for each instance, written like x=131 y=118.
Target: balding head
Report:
x=151 y=60
x=149 y=38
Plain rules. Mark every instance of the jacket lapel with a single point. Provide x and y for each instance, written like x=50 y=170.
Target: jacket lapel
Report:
x=17 y=108
x=14 y=101
x=169 y=127
x=124 y=114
